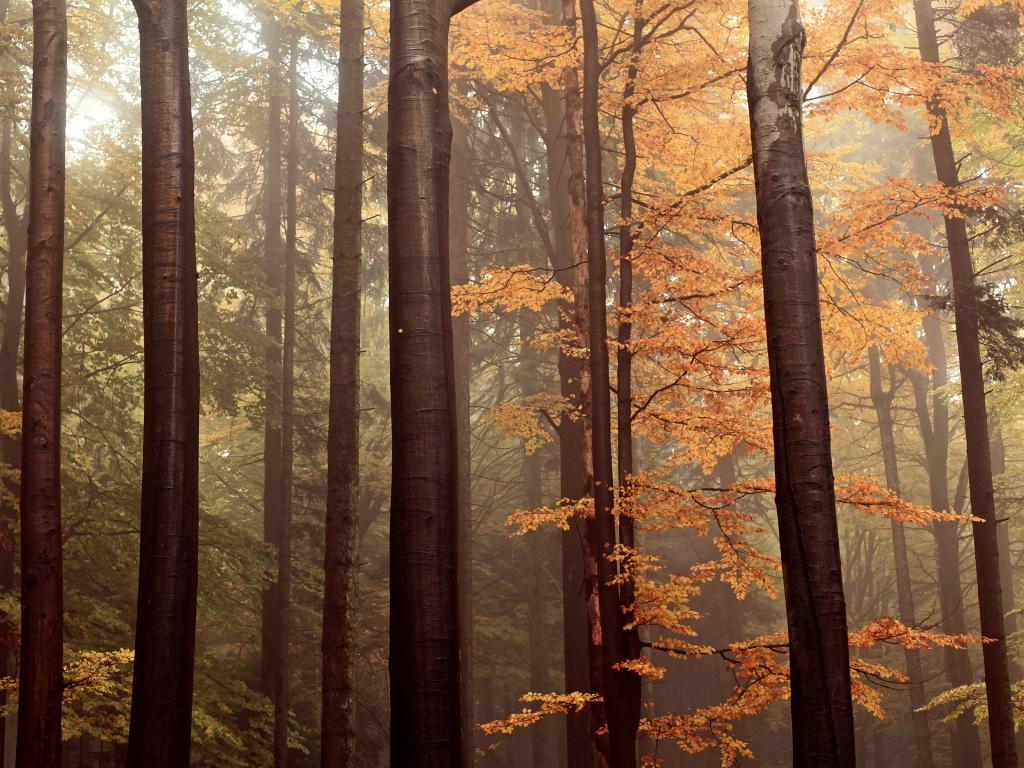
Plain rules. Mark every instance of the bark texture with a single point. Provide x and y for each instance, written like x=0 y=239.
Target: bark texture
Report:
x=979 y=460
x=41 y=679
x=338 y=716
x=161 y=718
x=424 y=663
x=822 y=711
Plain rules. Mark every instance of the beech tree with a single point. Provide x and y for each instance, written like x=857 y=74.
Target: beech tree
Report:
x=161 y=715
x=972 y=385
x=821 y=705
x=424 y=661
x=41 y=679
x=341 y=525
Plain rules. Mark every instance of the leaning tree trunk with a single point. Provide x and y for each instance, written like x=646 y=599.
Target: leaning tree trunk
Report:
x=882 y=401
x=424 y=663
x=972 y=386
x=161 y=718
x=42 y=606
x=338 y=715
x=822 y=710
x=622 y=724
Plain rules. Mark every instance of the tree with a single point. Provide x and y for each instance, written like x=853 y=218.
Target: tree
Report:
x=10 y=399
x=822 y=709
x=338 y=715
x=972 y=385
x=41 y=682
x=561 y=123
x=933 y=424
x=161 y=717
x=424 y=661
x=618 y=682
x=273 y=262
x=882 y=399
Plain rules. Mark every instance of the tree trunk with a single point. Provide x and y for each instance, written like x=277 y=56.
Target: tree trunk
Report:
x=424 y=663
x=284 y=532
x=972 y=386
x=338 y=715
x=822 y=711
x=161 y=718
x=273 y=263
x=536 y=546
x=570 y=431
x=934 y=426
x=459 y=266
x=10 y=398
x=624 y=370
x=882 y=401
x=41 y=680
x=617 y=682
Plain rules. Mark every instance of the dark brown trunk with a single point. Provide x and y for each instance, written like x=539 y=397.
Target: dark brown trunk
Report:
x=821 y=705
x=338 y=714
x=459 y=265
x=273 y=263
x=934 y=426
x=424 y=663
x=617 y=682
x=570 y=435
x=624 y=371
x=882 y=401
x=284 y=532
x=972 y=386
x=159 y=735
x=41 y=679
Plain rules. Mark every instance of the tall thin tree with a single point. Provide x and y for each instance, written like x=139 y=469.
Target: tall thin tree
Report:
x=622 y=722
x=821 y=705
x=972 y=386
x=161 y=717
x=15 y=227
x=570 y=437
x=459 y=266
x=882 y=400
x=273 y=263
x=933 y=423
x=338 y=713
x=282 y=669
x=41 y=680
